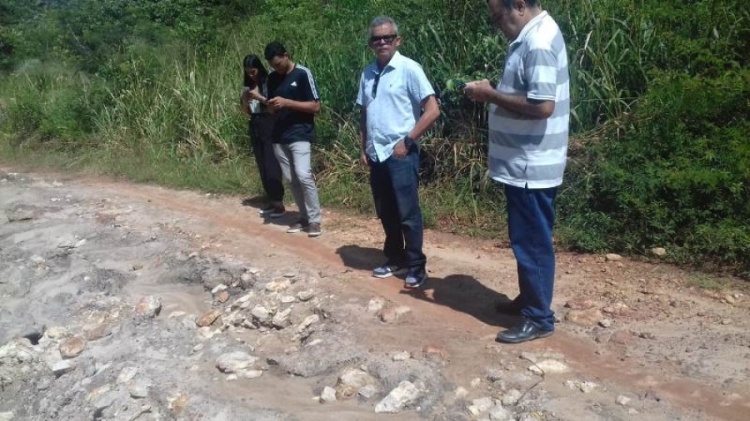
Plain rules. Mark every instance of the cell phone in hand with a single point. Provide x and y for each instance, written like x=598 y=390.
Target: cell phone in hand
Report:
x=459 y=84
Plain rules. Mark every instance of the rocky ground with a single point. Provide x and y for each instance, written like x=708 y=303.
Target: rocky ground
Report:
x=132 y=302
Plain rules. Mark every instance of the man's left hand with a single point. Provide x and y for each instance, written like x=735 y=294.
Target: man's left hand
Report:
x=400 y=150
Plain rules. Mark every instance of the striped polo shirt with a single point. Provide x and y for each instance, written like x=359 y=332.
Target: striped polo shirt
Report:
x=525 y=152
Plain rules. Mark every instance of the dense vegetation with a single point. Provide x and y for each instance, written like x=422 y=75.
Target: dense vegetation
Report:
x=148 y=89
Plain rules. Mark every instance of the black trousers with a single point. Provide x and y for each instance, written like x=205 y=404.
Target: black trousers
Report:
x=261 y=130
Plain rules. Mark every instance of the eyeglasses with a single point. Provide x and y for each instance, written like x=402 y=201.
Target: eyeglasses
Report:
x=386 y=39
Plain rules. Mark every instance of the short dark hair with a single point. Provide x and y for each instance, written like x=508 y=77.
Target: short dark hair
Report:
x=508 y=4
x=274 y=49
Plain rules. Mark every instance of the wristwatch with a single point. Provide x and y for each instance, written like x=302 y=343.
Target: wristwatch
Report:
x=408 y=142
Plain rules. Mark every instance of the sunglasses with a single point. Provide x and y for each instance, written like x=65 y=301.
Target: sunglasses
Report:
x=386 y=39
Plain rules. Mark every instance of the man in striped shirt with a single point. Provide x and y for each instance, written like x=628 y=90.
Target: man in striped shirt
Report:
x=529 y=114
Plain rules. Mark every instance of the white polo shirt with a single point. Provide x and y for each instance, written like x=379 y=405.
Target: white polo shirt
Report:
x=394 y=106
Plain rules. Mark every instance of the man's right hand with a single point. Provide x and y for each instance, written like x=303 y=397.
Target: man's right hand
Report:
x=479 y=90
x=363 y=159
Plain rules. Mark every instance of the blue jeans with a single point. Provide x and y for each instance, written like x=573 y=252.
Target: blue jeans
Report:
x=395 y=190
x=531 y=218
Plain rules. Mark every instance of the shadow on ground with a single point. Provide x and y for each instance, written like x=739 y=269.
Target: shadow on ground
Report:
x=258 y=202
x=460 y=292
x=466 y=294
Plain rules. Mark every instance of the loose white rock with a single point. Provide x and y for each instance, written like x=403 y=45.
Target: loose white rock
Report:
x=219 y=288
x=305 y=295
x=251 y=374
x=278 y=286
x=473 y=410
x=659 y=251
x=328 y=395
x=369 y=391
x=206 y=332
x=401 y=356
x=375 y=305
x=483 y=404
x=63 y=366
x=56 y=332
x=148 y=306
x=402 y=396
x=511 y=398
x=549 y=367
x=104 y=401
x=393 y=314
x=316 y=341
x=139 y=388
x=19 y=350
x=585 y=387
x=281 y=319
x=498 y=413
x=309 y=321
x=461 y=392
x=127 y=374
x=622 y=400
x=235 y=362
x=351 y=381
x=245 y=298
x=260 y=313
x=287 y=299
x=176 y=314
x=235 y=318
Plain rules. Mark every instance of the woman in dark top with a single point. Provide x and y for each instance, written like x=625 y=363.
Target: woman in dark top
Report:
x=254 y=101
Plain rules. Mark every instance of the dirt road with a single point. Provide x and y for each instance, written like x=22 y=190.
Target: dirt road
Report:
x=133 y=302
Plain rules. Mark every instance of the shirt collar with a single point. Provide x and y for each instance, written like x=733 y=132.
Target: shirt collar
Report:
x=532 y=23
x=395 y=61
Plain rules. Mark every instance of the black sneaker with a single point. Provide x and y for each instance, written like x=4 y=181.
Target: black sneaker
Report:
x=415 y=278
x=265 y=210
x=297 y=226
x=313 y=230
x=277 y=211
x=388 y=270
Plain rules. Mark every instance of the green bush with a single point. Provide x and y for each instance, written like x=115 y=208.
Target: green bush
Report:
x=53 y=103
x=677 y=174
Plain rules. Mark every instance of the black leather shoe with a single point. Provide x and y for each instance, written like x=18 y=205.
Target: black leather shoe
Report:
x=509 y=308
x=523 y=332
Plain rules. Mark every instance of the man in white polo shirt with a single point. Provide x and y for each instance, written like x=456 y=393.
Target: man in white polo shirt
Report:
x=398 y=107
x=529 y=116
